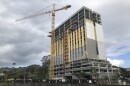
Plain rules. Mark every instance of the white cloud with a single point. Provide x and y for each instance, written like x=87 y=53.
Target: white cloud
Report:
x=6 y=48
x=116 y=62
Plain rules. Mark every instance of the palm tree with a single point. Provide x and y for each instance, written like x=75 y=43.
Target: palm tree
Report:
x=14 y=64
x=15 y=76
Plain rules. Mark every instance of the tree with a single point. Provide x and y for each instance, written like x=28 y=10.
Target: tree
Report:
x=45 y=66
x=94 y=74
x=82 y=75
x=20 y=73
x=32 y=71
x=2 y=76
x=124 y=74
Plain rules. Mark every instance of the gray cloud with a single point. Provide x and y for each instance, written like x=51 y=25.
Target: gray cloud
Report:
x=25 y=42
x=116 y=26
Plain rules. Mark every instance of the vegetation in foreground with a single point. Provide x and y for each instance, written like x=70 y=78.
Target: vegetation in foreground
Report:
x=30 y=72
x=42 y=72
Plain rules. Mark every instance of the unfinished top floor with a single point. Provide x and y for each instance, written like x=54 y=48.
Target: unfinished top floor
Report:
x=77 y=20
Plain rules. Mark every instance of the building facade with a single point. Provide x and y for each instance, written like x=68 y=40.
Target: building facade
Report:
x=79 y=45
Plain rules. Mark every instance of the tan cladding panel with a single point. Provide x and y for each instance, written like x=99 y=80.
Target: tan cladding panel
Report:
x=56 y=48
x=62 y=46
x=69 y=46
x=76 y=38
x=73 y=40
x=82 y=36
x=59 y=46
x=79 y=37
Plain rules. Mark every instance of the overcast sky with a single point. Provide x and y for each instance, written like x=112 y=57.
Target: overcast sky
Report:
x=26 y=42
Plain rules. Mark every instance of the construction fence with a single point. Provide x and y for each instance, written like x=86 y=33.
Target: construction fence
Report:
x=66 y=83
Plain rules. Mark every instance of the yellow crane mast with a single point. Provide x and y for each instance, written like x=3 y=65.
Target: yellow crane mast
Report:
x=51 y=73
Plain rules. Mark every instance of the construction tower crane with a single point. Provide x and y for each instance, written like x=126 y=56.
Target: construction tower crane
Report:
x=51 y=73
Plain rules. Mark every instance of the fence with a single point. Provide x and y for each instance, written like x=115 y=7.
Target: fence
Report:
x=60 y=83
x=49 y=84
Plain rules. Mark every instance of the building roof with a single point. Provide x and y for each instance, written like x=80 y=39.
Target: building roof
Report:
x=74 y=14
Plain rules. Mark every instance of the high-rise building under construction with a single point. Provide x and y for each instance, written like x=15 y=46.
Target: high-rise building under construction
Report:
x=79 y=46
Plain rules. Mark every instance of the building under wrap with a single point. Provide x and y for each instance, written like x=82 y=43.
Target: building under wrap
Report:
x=79 y=46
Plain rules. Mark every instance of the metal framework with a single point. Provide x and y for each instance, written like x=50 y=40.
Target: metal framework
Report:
x=79 y=44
